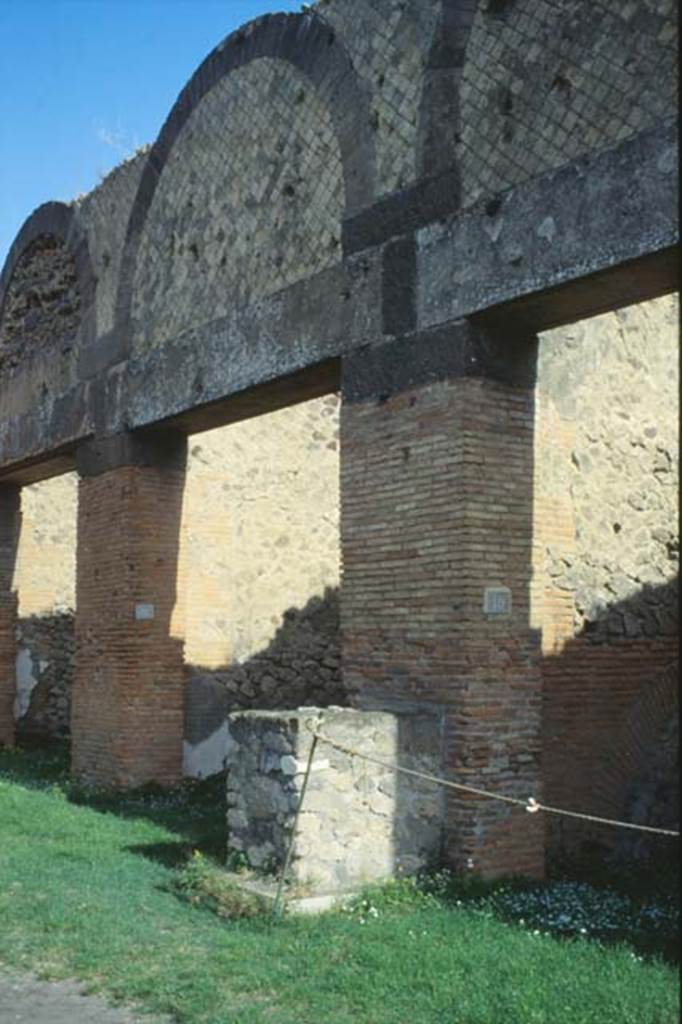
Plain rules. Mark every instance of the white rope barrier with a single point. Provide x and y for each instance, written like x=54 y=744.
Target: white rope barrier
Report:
x=530 y=804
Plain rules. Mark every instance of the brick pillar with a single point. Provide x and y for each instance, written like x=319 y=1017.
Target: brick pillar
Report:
x=436 y=506
x=10 y=517
x=127 y=710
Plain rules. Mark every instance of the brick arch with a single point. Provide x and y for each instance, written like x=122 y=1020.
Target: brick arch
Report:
x=302 y=41
x=59 y=222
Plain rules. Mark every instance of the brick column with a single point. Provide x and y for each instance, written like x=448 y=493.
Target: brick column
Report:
x=10 y=517
x=127 y=711
x=436 y=506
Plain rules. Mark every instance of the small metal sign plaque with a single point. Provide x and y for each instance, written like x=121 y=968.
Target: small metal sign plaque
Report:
x=497 y=601
x=144 y=611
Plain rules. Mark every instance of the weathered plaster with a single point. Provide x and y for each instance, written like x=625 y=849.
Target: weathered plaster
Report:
x=27 y=676
x=207 y=757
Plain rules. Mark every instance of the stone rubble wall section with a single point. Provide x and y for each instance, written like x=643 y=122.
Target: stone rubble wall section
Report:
x=359 y=822
x=261 y=543
x=42 y=307
x=46 y=655
x=260 y=550
x=44 y=578
x=608 y=447
x=605 y=590
x=260 y=527
x=249 y=201
x=301 y=663
x=45 y=568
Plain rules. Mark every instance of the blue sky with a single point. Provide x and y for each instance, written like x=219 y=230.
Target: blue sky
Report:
x=83 y=83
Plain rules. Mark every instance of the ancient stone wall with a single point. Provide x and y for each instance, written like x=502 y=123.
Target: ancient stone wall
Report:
x=39 y=325
x=46 y=657
x=612 y=384
x=309 y=219
x=389 y=43
x=261 y=555
x=606 y=514
x=42 y=307
x=45 y=581
x=272 y=482
x=359 y=821
x=261 y=542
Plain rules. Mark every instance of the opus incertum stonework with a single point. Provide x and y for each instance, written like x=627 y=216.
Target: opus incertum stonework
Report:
x=382 y=323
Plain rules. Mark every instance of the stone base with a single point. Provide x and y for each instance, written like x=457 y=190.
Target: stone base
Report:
x=294 y=899
x=360 y=822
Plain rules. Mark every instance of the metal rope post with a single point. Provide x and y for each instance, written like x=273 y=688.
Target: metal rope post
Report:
x=277 y=909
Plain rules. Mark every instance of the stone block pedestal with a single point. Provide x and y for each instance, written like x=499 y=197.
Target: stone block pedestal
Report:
x=360 y=821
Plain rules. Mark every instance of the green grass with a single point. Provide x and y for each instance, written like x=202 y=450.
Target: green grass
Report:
x=98 y=886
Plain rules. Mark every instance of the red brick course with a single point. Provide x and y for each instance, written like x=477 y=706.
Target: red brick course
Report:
x=436 y=504
x=127 y=718
x=589 y=755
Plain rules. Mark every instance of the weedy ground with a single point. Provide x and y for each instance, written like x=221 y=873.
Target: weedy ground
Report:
x=126 y=893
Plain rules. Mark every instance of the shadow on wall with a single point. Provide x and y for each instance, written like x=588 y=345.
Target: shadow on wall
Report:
x=46 y=653
x=610 y=729
x=300 y=666
x=610 y=709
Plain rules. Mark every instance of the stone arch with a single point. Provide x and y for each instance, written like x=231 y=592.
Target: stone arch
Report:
x=51 y=237
x=304 y=46
x=439 y=125
x=389 y=41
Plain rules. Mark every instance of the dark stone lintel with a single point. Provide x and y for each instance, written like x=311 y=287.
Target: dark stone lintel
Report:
x=460 y=349
x=399 y=286
x=397 y=214
x=167 y=450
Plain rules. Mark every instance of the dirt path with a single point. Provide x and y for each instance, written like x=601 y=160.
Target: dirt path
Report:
x=26 y=1000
